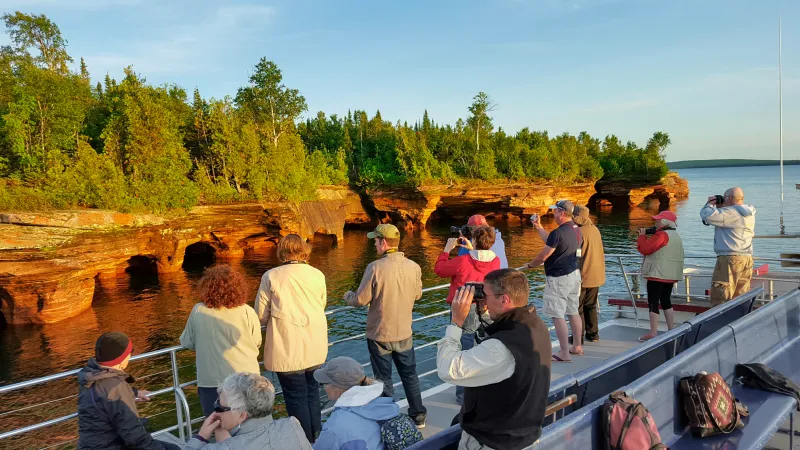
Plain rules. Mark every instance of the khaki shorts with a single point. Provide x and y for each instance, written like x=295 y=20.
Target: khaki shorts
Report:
x=562 y=295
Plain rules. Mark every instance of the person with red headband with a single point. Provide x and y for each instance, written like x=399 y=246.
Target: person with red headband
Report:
x=662 y=267
x=107 y=413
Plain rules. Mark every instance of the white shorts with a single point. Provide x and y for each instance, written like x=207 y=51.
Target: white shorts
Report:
x=562 y=295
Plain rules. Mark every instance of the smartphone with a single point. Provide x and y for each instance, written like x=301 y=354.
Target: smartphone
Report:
x=534 y=218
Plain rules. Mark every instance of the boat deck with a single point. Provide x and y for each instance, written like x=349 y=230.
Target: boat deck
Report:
x=616 y=336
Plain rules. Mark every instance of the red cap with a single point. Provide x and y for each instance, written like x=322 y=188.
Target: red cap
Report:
x=669 y=215
x=477 y=220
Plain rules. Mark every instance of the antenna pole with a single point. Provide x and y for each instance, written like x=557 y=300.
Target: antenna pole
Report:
x=780 y=109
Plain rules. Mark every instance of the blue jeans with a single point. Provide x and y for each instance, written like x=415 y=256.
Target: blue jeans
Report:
x=301 y=394
x=381 y=355
x=467 y=341
x=207 y=398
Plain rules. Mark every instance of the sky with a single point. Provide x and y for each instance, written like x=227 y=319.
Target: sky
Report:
x=704 y=71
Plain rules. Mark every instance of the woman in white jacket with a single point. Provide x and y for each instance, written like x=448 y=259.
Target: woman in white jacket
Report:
x=291 y=303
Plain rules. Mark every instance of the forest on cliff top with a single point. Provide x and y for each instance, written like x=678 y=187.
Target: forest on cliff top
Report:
x=132 y=146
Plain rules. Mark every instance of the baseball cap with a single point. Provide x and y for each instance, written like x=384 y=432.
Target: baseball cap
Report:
x=477 y=220
x=385 y=230
x=564 y=205
x=343 y=372
x=669 y=215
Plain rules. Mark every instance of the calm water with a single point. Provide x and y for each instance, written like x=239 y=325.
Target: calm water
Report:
x=153 y=309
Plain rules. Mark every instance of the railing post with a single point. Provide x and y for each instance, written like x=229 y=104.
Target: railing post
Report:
x=175 y=385
x=688 y=291
x=630 y=292
x=771 y=290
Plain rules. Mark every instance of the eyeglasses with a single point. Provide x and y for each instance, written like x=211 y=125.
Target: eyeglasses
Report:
x=219 y=408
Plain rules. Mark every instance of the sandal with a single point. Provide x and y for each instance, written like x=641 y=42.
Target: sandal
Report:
x=556 y=358
x=646 y=338
x=580 y=353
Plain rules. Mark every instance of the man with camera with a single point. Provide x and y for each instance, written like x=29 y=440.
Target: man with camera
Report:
x=465 y=233
x=562 y=287
x=734 y=227
x=507 y=376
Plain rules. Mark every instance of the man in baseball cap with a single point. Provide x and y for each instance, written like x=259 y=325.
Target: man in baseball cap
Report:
x=385 y=231
x=562 y=289
x=390 y=286
x=565 y=206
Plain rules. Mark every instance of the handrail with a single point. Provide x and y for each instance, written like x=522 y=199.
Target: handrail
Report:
x=180 y=397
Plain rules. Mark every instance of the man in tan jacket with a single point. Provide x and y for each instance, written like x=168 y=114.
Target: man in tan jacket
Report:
x=390 y=287
x=593 y=273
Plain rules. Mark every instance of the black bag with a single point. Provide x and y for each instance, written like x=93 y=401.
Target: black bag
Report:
x=760 y=376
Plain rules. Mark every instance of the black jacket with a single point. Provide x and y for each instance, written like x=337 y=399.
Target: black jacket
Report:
x=107 y=414
x=509 y=414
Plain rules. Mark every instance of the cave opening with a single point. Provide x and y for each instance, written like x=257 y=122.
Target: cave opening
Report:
x=198 y=256
x=142 y=265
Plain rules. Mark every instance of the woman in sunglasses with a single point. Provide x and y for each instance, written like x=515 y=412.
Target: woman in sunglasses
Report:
x=242 y=419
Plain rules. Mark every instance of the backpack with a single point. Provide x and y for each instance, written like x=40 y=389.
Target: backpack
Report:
x=628 y=425
x=399 y=432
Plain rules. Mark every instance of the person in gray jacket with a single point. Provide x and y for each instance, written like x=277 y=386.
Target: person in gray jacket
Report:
x=107 y=413
x=734 y=227
x=242 y=419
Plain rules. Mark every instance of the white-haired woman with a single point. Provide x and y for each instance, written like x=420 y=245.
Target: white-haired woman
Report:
x=242 y=419
x=662 y=267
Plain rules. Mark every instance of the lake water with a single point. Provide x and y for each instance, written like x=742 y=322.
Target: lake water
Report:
x=152 y=310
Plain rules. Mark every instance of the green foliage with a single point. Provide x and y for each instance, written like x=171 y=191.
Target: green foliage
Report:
x=129 y=145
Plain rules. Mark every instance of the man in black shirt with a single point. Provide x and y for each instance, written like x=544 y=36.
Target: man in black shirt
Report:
x=563 y=283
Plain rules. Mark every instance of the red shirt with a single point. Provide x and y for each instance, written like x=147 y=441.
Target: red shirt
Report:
x=647 y=245
x=462 y=269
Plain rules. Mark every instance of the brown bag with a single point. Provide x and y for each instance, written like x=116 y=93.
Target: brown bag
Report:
x=709 y=405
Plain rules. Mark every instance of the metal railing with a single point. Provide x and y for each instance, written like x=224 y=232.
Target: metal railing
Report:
x=182 y=407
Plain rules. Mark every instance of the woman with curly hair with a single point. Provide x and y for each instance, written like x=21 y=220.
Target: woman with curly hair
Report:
x=224 y=332
x=291 y=303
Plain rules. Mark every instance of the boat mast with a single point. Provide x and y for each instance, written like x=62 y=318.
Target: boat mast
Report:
x=780 y=109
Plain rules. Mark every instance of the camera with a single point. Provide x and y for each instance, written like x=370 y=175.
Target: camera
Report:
x=719 y=200
x=479 y=295
x=651 y=230
x=463 y=230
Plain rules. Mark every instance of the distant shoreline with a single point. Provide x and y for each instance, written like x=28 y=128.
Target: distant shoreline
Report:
x=710 y=163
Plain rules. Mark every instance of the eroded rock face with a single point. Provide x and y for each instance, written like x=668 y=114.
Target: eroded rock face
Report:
x=49 y=262
x=631 y=194
x=47 y=273
x=336 y=207
x=416 y=207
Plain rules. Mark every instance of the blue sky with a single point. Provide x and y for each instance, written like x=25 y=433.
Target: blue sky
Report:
x=705 y=71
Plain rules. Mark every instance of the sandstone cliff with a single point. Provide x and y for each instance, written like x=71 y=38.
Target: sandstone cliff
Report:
x=50 y=262
x=518 y=201
x=631 y=194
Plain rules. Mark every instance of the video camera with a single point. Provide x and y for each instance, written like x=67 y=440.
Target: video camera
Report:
x=479 y=294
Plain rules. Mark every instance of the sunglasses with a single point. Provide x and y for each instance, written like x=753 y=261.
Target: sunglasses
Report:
x=219 y=408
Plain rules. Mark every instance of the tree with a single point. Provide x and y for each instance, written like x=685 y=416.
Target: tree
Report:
x=37 y=31
x=480 y=120
x=272 y=106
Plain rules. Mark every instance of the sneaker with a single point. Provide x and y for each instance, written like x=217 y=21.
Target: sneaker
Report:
x=419 y=422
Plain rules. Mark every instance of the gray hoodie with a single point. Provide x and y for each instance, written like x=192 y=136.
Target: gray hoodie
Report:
x=734 y=227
